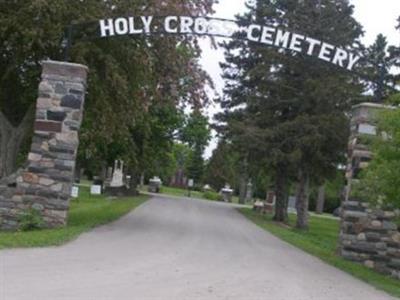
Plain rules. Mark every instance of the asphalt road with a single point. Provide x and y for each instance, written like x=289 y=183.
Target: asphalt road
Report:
x=175 y=249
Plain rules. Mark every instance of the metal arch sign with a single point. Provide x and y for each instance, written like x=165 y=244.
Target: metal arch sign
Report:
x=189 y=25
x=267 y=35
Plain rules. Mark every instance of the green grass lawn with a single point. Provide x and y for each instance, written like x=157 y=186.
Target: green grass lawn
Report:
x=85 y=213
x=321 y=241
x=184 y=193
x=180 y=192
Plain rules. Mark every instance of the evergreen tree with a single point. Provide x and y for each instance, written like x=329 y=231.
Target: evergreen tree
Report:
x=291 y=109
x=222 y=166
x=378 y=69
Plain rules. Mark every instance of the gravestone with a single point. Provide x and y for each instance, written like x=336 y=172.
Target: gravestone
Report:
x=97 y=187
x=249 y=192
x=117 y=180
x=270 y=202
x=292 y=205
x=128 y=181
x=109 y=176
x=75 y=192
x=190 y=183
x=227 y=193
x=95 y=190
x=207 y=188
x=154 y=185
x=120 y=184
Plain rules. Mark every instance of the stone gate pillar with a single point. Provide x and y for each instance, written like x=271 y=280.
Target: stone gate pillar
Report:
x=45 y=184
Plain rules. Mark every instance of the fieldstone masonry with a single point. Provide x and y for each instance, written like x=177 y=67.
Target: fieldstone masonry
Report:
x=45 y=183
x=369 y=236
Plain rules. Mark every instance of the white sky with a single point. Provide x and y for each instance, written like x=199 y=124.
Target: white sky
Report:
x=376 y=16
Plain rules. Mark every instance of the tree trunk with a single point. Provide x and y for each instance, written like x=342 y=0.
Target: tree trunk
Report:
x=242 y=189
x=281 y=206
x=243 y=178
x=103 y=172
x=302 y=199
x=141 y=180
x=133 y=182
x=11 y=139
x=321 y=200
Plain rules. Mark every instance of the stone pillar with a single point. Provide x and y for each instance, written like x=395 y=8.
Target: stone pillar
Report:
x=45 y=184
x=370 y=236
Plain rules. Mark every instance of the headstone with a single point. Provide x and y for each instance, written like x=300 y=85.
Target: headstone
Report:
x=75 y=192
x=118 y=175
x=191 y=183
x=259 y=206
x=128 y=181
x=367 y=129
x=249 y=192
x=207 y=188
x=142 y=180
x=155 y=185
x=292 y=205
x=227 y=193
x=270 y=202
x=109 y=173
x=95 y=190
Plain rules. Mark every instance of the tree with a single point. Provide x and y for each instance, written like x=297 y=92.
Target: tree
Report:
x=11 y=139
x=380 y=182
x=378 y=69
x=222 y=167
x=132 y=74
x=196 y=134
x=320 y=200
x=288 y=109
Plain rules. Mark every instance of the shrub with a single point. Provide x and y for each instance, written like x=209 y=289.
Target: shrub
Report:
x=212 y=196
x=332 y=202
x=30 y=220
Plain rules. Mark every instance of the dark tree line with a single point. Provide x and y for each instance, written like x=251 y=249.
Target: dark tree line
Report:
x=137 y=86
x=288 y=113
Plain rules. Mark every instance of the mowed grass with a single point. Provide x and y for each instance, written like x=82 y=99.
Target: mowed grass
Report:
x=321 y=241
x=85 y=213
x=184 y=193
x=180 y=192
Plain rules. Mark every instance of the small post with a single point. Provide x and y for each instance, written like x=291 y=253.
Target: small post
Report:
x=190 y=185
x=67 y=42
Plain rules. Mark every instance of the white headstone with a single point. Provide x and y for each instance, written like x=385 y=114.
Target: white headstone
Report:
x=190 y=183
x=118 y=175
x=75 y=192
x=367 y=129
x=95 y=190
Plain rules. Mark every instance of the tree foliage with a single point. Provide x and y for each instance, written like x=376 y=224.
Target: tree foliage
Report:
x=378 y=70
x=222 y=167
x=196 y=134
x=380 y=182
x=131 y=79
x=289 y=110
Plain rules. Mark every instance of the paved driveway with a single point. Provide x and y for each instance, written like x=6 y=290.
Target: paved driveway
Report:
x=175 y=249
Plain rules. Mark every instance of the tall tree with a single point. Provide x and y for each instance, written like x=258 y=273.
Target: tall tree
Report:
x=292 y=108
x=131 y=74
x=378 y=70
x=196 y=134
x=222 y=167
